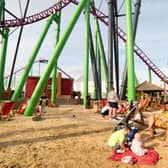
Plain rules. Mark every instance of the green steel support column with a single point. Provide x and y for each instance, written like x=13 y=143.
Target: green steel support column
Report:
x=102 y=54
x=54 y=79
x=2 y=4
x=150 y=75
x=43 y=80
x=31 y=60
x=130 y=54
x=86 y=61
x=5 y=33
x=96 y=55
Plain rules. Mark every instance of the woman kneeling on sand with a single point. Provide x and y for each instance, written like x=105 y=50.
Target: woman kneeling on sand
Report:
x=160 y=121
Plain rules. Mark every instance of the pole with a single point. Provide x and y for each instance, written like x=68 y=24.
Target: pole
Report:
x=96 y=56
x=150 y=75
x=94 y=67
x=86 y=60
x=110 y=43
x=2 y=4
x=130 y=54
x=17 y=47
x=136 y=17
x=31 y=60
x=5 y=33
x=61 y=43
x=116 y=52
x=125 y=74
x=102 y=55
x=54 y=80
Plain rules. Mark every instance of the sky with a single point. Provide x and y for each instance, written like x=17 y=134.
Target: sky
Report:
x=152 y=37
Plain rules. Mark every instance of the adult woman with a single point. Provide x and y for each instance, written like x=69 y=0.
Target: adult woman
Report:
x=112 y=99
x=144 y=102
x=161 y=121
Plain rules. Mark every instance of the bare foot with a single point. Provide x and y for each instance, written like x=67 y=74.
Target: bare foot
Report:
x=147 y=138
x=163 y=144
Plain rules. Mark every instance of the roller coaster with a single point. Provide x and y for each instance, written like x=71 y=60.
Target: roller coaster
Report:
x=54 y=11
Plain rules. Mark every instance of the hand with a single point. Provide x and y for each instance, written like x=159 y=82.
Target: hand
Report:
x=126 y=148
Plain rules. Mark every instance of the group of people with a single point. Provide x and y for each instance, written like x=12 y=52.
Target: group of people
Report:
x=118 y=138
x=115 y=107
x=121 y=110
x=118 y=141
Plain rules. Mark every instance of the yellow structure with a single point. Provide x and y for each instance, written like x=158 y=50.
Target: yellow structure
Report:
x=59 y=80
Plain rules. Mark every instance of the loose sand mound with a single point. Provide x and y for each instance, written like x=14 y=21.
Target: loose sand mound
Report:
x=66 y=137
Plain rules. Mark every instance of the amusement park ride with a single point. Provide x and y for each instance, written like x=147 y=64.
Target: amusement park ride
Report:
x=96 y=49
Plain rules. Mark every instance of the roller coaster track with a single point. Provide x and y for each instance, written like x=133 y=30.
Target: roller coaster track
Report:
x=144 y=58
x=36 y=17
x=97 y=13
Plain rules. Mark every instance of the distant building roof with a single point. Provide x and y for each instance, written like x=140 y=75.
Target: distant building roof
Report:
x=147 y=86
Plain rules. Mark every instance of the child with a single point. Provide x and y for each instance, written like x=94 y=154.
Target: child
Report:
x=137 y=145
x=43 y=102
x=122 y=109
x=116 y=140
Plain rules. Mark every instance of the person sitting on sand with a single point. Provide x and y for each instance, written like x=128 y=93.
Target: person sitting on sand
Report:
x=137 y=145
x=161 y=121
x=122 y=109
x=117 y=139
x=144 y=102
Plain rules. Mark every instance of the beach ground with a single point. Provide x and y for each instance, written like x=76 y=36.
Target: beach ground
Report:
x=68 y=136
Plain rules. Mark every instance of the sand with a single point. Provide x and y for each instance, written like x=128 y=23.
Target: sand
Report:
x=66 y=137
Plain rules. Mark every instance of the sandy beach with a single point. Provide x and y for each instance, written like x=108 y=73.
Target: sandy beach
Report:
x=68 y=136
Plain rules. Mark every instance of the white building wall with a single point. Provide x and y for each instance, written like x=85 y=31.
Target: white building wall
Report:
x=78 y=86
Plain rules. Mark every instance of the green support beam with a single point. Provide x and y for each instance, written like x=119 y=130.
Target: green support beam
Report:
x=102 y=54
x=130 y=53
x=96 y=56
x=150 y=75
x=2 y=4
x=86 y=61
x=26 y=72
x=57 y=19
x=5 y=33
x=60 y=45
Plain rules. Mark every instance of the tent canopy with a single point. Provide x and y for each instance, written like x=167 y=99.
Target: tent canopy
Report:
x=147 y=86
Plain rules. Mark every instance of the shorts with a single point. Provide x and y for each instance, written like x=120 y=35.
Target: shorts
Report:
x=117 y=146
x=113 y=104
